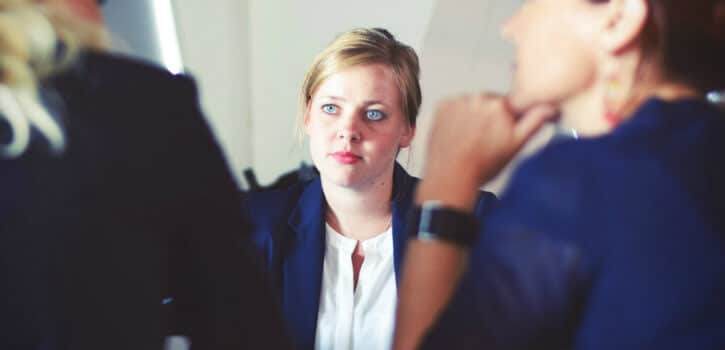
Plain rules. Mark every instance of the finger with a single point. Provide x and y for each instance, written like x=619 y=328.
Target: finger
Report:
x=531 y=121
x=489 y=96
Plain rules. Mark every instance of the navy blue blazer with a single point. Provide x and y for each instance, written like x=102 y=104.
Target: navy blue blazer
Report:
x=612 y=242
x=288 y=228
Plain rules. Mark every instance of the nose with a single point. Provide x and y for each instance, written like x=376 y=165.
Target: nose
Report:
x=349 y=128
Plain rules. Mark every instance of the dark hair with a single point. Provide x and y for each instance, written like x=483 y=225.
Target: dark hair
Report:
x=688 y=38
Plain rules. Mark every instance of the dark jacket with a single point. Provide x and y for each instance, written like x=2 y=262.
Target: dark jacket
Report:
x=133 y=231
x=612 y=242
x=288 y=228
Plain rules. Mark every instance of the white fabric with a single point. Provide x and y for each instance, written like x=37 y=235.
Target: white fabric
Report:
x=359 y=318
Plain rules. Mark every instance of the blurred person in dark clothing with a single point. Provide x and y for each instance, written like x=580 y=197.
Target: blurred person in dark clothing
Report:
x=118 y=216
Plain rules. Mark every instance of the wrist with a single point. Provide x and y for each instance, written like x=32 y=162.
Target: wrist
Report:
x=436 y=222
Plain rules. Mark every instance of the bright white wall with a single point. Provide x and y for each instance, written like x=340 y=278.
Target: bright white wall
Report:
x=214 y=40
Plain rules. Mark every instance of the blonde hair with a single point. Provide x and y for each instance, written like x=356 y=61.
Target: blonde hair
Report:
x=30 y=37
x=360 y=47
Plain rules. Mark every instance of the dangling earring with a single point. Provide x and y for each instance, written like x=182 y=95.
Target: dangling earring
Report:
x=614 y=96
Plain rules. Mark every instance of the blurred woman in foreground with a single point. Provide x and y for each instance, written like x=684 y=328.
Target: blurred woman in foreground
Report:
x=612 y=241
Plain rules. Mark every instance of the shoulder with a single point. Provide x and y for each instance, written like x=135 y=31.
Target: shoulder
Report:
x=116 y=95
x=265 y=212
x=269 y=202
x=662 y=141
x=119 y=69
x=117 y=84
x=266 y=217
x=557 y=173
x=549 y=195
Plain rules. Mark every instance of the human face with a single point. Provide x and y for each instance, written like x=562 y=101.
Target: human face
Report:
x=556 y=51
x=355 y=124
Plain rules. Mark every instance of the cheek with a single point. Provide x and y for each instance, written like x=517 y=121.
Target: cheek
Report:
x=317 y=130
x=387 y=145
x=555 y=66
x=575 y=69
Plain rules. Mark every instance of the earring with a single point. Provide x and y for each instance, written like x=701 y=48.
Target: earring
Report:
x=614 y=96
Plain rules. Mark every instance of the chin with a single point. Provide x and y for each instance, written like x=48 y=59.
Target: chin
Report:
x=521 y=100
x=520 y=103
x=341 y=177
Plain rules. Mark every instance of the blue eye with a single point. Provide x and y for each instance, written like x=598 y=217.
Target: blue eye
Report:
x=375 y=114
x=329 y=109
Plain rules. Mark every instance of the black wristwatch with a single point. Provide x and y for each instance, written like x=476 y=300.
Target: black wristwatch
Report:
x=435 y=222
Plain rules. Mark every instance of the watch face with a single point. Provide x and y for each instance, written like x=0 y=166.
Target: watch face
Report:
x=439 y=223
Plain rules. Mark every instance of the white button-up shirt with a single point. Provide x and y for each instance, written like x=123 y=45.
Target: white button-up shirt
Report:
x=359 y=318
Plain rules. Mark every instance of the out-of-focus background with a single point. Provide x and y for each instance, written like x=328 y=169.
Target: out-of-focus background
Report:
x=249 y=57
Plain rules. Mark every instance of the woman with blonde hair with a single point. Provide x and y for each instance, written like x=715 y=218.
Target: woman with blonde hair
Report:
x=118 y=219
x=333 y=246
x=615 y=240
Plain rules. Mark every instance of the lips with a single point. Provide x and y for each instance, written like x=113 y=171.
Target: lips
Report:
x=345 y=157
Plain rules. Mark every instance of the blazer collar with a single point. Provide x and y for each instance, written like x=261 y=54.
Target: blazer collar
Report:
x=302 y=278
x=303 y=266
x=307 y=218
x=403 y=190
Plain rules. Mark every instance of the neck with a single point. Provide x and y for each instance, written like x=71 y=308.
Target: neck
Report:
x=642 y=81
x=359 y=213
x=583 y=112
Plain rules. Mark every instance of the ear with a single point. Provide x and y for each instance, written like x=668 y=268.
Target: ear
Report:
x=625 y=22
x=407 y=138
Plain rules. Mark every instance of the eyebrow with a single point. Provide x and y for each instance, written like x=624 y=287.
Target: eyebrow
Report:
x=366 y=103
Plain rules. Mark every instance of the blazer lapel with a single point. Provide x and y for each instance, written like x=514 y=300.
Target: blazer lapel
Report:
x=303 y=266
x=403 y=189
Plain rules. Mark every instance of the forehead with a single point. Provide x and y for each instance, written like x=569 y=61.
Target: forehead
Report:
x=362 y=82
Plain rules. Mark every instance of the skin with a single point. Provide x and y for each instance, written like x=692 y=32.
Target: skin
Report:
x=358 y=111
x=87 y=10
x=580 y=46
